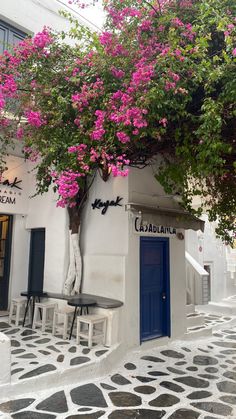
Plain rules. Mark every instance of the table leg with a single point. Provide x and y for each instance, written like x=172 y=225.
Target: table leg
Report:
x=33 y=307
x=72 y=325
x=40 y=310
x=26 y=310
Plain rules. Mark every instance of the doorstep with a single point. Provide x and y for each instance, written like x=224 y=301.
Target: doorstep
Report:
x=41 y=360
x=212 y=322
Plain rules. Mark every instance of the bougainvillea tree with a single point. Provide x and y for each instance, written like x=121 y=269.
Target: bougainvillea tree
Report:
x=158 y=81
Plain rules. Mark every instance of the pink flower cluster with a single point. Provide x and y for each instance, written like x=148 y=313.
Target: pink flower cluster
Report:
x=122 y=137
x=229 y=30
x=19 y=133
x=99 y=131
x=88 y=92
x=68 y=187
x=118 y=16
x=31 y=154
x=117 y=72
x=2 y=101
x=143 y=74
x=34 y=118
x=9 y=87
x=111 y=45
x=42 y=39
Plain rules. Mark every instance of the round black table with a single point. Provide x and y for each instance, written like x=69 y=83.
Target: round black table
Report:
x=80 y=303
x=31 y=297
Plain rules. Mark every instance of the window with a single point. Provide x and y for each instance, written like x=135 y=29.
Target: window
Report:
x=9 y=36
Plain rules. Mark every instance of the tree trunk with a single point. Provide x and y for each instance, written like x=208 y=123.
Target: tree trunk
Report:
x=72 y=283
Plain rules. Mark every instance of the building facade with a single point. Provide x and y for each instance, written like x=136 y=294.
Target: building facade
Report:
x=132 y=235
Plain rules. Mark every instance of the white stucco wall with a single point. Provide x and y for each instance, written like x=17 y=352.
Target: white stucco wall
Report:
x=31 y=15
x=29 y=213
x=105 y=240
x=209 y=250
x=19 y=257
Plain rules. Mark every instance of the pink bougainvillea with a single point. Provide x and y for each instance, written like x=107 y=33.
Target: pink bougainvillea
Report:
x=34 y=118
x=158 y=80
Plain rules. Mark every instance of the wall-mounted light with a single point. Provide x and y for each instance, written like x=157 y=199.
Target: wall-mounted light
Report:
x=180 y=236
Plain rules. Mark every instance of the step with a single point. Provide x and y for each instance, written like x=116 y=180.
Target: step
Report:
x=224 y=308
x=198 y=332
x=195 y=319
x=190 y=308
x=231 y=299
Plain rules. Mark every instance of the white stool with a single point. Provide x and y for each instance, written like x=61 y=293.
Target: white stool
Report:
x=65 y=314
x=91 y=333
x=17 y=310
x=43 y=310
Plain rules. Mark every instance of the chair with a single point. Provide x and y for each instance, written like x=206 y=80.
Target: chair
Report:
x=62 y=319
x=17 y=310
x=42 y=313
x=91 y=333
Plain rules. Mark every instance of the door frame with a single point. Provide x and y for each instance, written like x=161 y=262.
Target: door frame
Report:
x=166 y=269
x=8 y=252
x=211 y=265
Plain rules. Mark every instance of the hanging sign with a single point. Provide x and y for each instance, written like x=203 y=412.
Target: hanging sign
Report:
x=149 y=228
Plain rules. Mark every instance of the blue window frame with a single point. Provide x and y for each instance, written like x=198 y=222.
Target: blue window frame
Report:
x=9 y=36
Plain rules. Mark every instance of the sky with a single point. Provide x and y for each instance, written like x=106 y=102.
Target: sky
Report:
x=93 y=14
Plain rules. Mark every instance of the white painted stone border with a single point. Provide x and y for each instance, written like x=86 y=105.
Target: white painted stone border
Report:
x=5 y=357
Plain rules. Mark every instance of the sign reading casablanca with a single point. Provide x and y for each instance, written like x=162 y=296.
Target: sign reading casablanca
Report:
x=152 y=228
x=13 y=186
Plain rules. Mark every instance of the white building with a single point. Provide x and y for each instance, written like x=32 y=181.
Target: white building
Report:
x=134 y=252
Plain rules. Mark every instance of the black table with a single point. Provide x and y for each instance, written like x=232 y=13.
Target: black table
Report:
x=80 y=303
x=31 y=297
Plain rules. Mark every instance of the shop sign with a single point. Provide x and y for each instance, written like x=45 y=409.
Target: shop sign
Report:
x=104 y=205
x=149 y=228
x=13 y=186
x=7 y=194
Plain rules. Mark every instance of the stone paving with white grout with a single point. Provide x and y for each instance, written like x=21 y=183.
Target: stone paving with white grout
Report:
x=34 y=353
x=183 y=380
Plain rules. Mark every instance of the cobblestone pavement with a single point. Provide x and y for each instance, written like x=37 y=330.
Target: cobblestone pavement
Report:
x=184 y=380
x=34 y=353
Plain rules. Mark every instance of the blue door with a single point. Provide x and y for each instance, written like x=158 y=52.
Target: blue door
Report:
x=154 y=288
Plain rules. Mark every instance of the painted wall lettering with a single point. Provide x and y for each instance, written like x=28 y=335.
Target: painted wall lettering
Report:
x=152 y=228
x=103 y=205
x=14 y=184
x=7 y=200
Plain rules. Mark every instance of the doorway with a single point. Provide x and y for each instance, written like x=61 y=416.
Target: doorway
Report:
x=207 y=288
x=154 y=288
x=5 y=258
x=36 y=259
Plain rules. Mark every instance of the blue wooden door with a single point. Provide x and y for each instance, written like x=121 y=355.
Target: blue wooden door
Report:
x=36 y=260
x=154 y=288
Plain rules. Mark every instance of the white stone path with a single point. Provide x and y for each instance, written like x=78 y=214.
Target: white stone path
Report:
x=184 y=380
